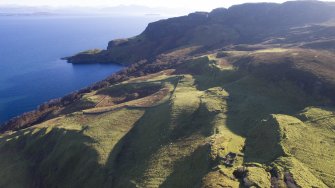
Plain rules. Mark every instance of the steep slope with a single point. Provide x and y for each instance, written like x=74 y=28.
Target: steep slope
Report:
x=241 y=24
x=222 y=99
x=207 y=122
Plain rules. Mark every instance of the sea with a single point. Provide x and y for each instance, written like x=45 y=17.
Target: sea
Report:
x=31 y=48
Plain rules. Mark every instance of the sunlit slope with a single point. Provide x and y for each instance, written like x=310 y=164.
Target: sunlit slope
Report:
x=211 y=121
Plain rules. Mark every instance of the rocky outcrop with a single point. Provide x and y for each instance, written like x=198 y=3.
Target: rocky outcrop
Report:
x=247 y=23
x=240 y=116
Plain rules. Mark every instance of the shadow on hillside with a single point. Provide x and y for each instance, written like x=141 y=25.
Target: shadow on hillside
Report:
x=65 y=157
x=189 y=171
x=251 y=100
x=131 y=156
x=56 y=158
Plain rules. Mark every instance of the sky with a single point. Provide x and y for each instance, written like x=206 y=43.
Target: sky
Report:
x=192 y=4
x=200 y=5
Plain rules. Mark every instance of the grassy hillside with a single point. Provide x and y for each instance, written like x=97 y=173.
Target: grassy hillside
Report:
x=233 y=119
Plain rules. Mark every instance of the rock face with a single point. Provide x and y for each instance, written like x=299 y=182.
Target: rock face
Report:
x=90 y=56
x=231 y=98
x=247 y=23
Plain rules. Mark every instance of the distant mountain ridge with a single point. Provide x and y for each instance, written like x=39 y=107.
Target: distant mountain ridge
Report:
x=121 y=10
x=247 y=23
x=238 y=97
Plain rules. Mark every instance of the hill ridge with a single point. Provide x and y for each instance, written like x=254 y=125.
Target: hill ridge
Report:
x=257 y=114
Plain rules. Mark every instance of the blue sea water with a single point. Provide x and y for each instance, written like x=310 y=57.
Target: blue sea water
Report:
x=31 y=71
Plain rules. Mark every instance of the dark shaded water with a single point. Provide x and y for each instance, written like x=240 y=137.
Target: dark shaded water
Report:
x=30 y=51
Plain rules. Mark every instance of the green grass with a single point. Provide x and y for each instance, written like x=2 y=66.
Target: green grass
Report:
x=302 y=175
x=314 y=148
x=272 y=50
x=257 y=177
x=65 y=152
x=182 y=139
